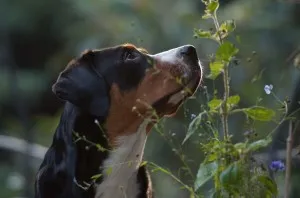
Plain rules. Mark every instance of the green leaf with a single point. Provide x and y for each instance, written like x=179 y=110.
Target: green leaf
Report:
x=94 y=177
x=193 y=126
x=226 y=28
x=205 y=173
x=215 y=69
x=144 y=163
x=202 y=34
x=212 y=7
x=231 y=174
x=260 y=113
x=233 y=101
x=211 y=157
x=100 y=148
x=226 y=51
x=269 y=184
x=214 y=104
x=259 y=144
x=240 y=146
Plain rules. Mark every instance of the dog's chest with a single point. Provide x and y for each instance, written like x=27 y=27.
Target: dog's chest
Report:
x=121 y=168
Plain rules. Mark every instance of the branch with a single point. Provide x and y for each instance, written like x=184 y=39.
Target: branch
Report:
x=21 y=146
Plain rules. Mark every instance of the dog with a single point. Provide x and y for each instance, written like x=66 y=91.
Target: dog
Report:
x=113 y=97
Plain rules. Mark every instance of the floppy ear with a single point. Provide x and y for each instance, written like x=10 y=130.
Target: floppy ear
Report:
x=80 y=85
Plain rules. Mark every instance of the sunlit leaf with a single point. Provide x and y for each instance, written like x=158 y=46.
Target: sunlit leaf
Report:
x=214 y=104
x=95 y=177
x=233 y=101
x=226 y=27
x=260 y=113
x=212 y=6
x=202 y=34
x=226 y=51
x=205 y=173
x=215 y=69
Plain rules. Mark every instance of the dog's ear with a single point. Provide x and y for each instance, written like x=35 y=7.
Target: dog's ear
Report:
x=80 y=85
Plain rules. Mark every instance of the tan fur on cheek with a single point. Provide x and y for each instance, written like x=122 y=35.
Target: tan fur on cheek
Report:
x=121 y=120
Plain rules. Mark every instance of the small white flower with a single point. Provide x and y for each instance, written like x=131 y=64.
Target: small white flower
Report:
x=268 y=89
x=193 y=116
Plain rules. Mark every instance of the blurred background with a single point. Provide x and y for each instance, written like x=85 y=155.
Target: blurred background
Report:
x=38 y=38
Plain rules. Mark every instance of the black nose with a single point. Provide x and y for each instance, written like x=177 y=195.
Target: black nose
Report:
x=188 y=51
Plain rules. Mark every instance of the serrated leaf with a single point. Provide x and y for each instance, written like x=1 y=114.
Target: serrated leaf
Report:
x=202 y=34
x=216 y=68
x=205 y=173
x=226 y=27
x=260 y=113
x=259 y=144
x=212 y=7
x=193 y=126
x=233 y=101
x=226 y=51
x=214 y=104
x=269 y=184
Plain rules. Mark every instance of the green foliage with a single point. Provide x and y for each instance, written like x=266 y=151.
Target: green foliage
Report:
x=226 y=51
x=260 y=113
x=228 y=164
x=205 y=173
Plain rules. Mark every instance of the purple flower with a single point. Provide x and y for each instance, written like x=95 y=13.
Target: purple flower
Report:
x=268 y=89
x=277 y=165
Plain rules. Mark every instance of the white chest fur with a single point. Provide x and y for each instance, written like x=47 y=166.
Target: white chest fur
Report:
x=121 y=167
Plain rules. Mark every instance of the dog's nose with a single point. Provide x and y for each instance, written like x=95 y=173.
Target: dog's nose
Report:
x=188 y=51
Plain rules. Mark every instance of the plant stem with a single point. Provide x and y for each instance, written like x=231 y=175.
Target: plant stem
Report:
x=174 y=177
x=288 y=160
x=226 y=85
x=224 y=106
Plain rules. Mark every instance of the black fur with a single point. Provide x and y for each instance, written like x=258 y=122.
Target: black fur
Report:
x=85 y=86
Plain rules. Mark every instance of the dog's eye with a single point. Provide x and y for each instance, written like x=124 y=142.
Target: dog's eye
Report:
x=129 y=55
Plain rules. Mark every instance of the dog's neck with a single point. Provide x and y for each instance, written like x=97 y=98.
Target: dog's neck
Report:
x=118 y=166
x=121 y=166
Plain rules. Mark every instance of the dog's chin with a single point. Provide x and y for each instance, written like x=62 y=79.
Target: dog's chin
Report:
x=168 y=105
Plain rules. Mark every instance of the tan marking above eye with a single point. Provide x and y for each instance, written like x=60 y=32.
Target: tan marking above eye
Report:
x=129 y=46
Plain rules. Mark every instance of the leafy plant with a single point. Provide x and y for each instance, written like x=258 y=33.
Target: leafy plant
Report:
x=230 y=165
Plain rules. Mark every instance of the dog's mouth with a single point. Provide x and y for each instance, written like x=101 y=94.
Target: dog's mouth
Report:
x=169 y=104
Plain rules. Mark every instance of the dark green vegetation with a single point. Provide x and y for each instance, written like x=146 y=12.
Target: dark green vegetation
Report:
x=38 y=38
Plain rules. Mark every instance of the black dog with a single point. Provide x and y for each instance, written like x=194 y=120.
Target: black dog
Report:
x=111 y=96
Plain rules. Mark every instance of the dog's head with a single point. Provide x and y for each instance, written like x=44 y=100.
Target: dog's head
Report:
x=123 y=84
